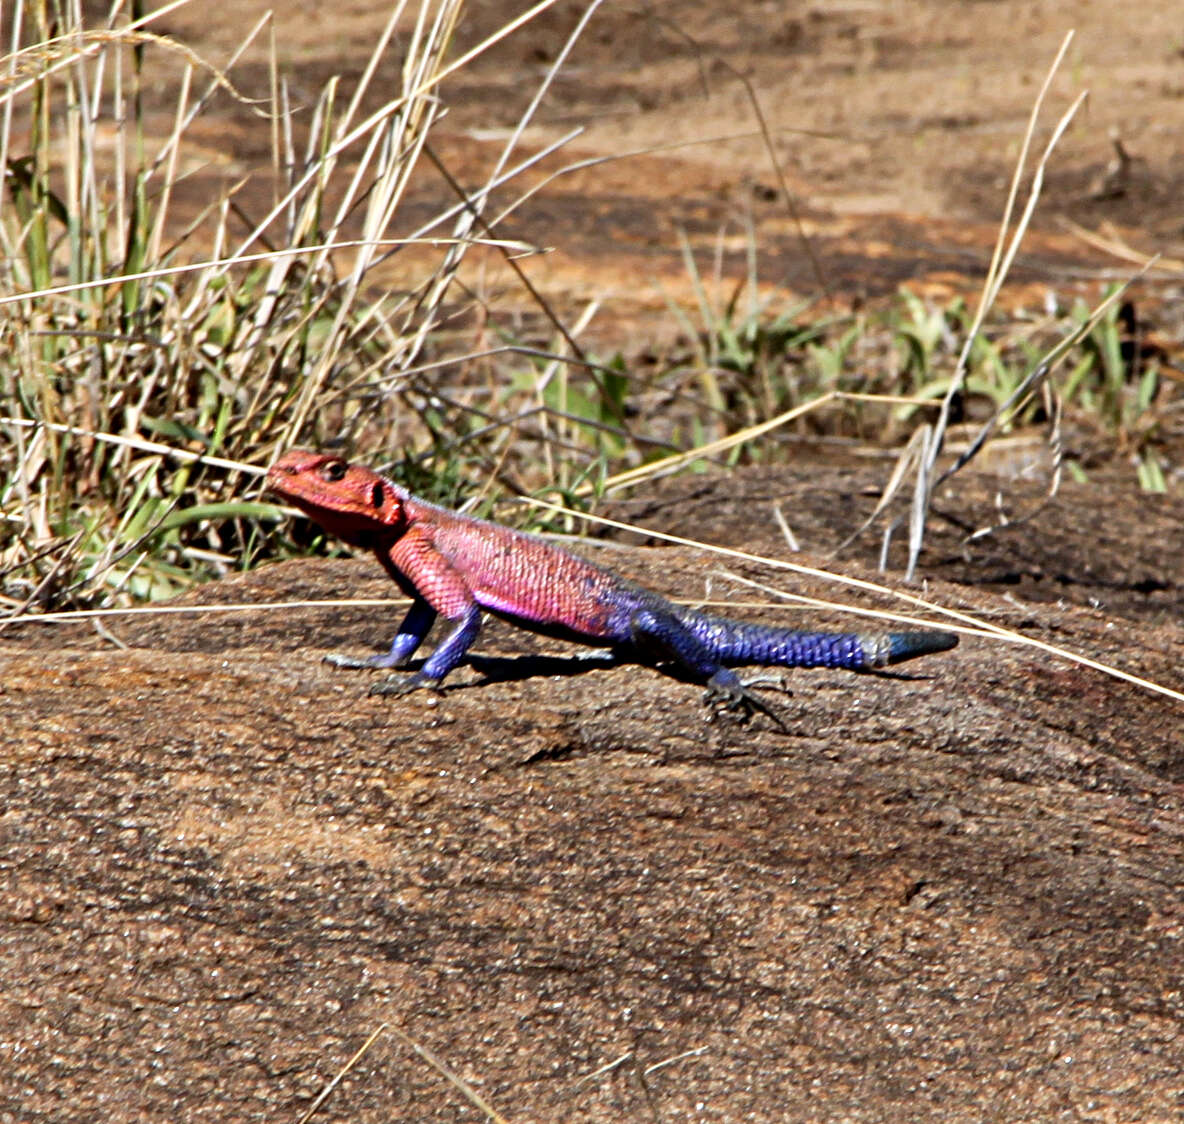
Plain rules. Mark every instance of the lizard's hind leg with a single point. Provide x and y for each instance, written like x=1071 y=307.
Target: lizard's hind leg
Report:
x=656 y=628
x=727 y=692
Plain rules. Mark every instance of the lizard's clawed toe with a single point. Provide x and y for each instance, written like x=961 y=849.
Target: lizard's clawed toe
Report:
x=728 y=696
x=357 y=663
x=403 y=684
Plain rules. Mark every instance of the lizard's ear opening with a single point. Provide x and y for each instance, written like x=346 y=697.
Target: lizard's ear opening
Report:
x=377 y=495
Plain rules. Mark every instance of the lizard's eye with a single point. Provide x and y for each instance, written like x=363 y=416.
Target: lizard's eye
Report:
x=334 y=471
x=377 y=496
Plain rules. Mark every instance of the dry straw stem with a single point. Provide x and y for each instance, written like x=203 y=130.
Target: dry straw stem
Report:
x=213 y=360
x=645 y=150
x=393 y=149
x=463 y=1086
x=327 y=1091
x=66 y=616
x=452 y=1078
x=139 y=444
x=52 y=55
x=1039 y=373
x=655 y=469
x=161 y=272
x=967 y=624
x=970 y=625
x=1001 y=261
x=412 y=113
x=472 y=217
x=348 y=137
x=1154 y=265
x=921 y=443
x=776 y=163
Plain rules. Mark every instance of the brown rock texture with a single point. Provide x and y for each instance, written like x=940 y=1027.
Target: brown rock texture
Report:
x=953 y=896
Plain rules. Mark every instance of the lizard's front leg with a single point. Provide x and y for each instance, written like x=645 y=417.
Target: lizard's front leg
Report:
x=441 y=588
x=416 y=625
x=450 y=652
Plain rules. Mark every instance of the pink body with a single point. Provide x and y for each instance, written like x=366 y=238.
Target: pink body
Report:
x=452 y=561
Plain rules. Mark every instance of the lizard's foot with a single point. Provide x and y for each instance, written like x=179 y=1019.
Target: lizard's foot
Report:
x=727 y=694
x=358 y=663
x=403 y=684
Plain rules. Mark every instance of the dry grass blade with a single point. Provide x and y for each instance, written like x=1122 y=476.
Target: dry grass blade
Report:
x=472 y=215
x=974 y=624
x=137 y=443
x=402 y=137
x=57 y=53
x=327 y=1091
x=214 y=263
x=910 y=457
x=1036 y=379
x=1116 y=247
x=654 y=470
x=595 y=161
x=697 y=1052
x=608 y=1067
x=145 y=386
x=452 y=1078
x=149 y=380
x=968 y=626
x=1040 y=372
x=1006 y=247
x=677 y=461
x=377 y=118
x=981 y=629
x=776 y=163
x=67 y=615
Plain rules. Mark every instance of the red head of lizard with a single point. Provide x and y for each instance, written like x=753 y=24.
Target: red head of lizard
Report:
x=349 y=501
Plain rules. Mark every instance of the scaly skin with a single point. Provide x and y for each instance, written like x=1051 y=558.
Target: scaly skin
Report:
x=456 y=566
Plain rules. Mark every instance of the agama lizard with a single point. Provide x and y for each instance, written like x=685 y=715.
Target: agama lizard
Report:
x=456 y=566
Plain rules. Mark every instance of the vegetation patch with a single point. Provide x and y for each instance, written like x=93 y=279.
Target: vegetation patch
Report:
x=152 y=368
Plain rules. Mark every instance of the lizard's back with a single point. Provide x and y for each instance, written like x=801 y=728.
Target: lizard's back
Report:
x=527 y=578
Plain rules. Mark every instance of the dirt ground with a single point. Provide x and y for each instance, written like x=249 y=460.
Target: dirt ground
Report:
x=955 y=895
x=897 y=126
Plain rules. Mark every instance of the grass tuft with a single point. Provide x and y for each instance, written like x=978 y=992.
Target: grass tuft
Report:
x=156 y=358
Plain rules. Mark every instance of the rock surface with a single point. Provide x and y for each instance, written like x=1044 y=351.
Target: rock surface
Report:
x=947 y=897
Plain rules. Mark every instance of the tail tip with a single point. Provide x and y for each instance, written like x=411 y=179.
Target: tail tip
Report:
x=896 y=647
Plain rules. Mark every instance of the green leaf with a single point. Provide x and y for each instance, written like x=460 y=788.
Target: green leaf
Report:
x=174 y=430
x=1151 y=477
x=229 y=510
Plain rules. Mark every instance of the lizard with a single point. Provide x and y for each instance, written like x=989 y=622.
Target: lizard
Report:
x=457 y=567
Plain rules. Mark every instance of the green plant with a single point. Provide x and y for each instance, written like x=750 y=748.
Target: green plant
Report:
x=143 y=373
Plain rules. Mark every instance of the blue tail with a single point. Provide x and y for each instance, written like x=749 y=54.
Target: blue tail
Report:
x=737 y=642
